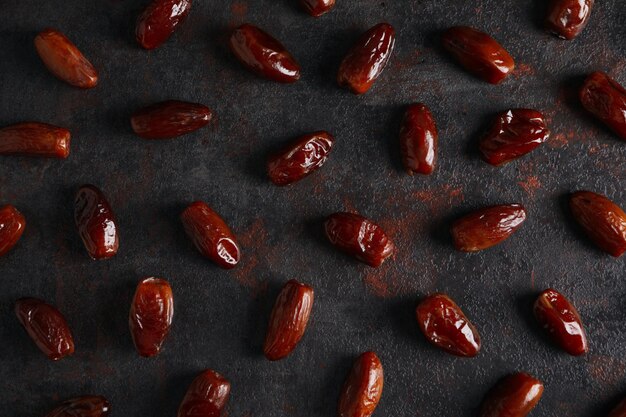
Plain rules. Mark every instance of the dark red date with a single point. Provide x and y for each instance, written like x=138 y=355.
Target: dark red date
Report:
x=85 y=406
x=363 y=388
x=96 y=222
x=150 y=316
x=159 y=21
x=619 y=410
x=12 y=225
x=514 y=396
x=418 y=140
x=35 y=139
x=206 y=396
x=170 y=119
x=567 y=18
x=316 y=8
x=603 y=97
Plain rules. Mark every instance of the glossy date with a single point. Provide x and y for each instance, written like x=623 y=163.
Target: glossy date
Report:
x=159 y=21
x=567 y=18
x=150 y=316
x=206 y=396
x=95 y=222
x=169 y=119
x=604 y=98
x=513 y=396
x=316 y=8
x=418 y=140
x=85 y=406
x=12 y=224
x=35 y=139
x=363 y=388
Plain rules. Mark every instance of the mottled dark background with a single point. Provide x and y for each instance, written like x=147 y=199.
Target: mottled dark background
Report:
x=221 y=316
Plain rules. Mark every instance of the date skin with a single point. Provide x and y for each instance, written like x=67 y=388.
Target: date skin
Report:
x=316 y=8
x=211 y=235
x=487 y=227
x=603 y=97
x=478 y=53
x=288 y=320
x=359 y=237
x=159 y=21
x=150 y=316
x=418 y=140
x=619 y=410
x=300 y=158
x=561 y=320
x=12 y=225
x=35 y=139
x=85 y=406
x=513 y=396
x=64 y=60
x=363 y=388
x=445 y=326
x=96 y=223
x=513 y=134
x=169 y=119
x=567 y=18
x=602 y=220
x=263 y=55
x=46 y=326
x=206 y=396
x=367 y=58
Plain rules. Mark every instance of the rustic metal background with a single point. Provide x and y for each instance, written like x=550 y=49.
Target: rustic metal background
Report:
x=221 y=316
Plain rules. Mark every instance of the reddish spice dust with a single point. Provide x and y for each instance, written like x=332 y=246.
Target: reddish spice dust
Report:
x=531 y=184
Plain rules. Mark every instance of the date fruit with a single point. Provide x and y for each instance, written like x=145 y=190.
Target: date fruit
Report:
x=95 y=222
x=46 y=326
x=300 y=158
x=367 y=58
x=159 y=21
x=211 y=235
x=603 y=97
x=206 y=396
x=150 y=316
x=12 y=225
x=363 y=388
x=619 y=410
x=64 y=60
x=567 y=18
x=316 y=8
x=603 y=221
x=359 y=237
x=263 y=55
x=85 y=406
x=418 y=140
x=478 y=53
x=559 y=317
x=169 y=119
x=35 y=139
x=288 y=320
x=513 y=134
x=514 y=396
x=445 y=326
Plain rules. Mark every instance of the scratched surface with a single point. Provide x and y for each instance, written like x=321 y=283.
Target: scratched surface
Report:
x=220 y=316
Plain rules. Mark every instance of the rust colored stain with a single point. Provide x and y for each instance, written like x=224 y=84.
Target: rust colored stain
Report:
x=606 y=370
x=376 y=282
x=239 y=9
x=246 y=273
x=531 y=184
x=523 y=70
x=440 y=198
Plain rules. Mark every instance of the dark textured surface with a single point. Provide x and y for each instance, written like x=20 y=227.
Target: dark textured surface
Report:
x=220 y=316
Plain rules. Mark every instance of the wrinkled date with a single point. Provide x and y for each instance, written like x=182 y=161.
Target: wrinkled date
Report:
x=567 y=18
x=317 y=8
x=487 y=227
x=418 y=140
x=95 y=222
x=367 y=58
x=12 y=225
x=46 y=326
x=85 y=406
x=363 y=388
x=513 y=134
x=445 y=326
x=561 y=320
x=151 y=315
x=288 y=320
x=619 y=410
x=159 y=21
x=603 y=221
x=64 y=60
x=478 y=53
x=35 y=139
x=359 y=237
x=263 y=55
x=170 y=119
x=605 y=99
x=514 y=396
x=211 y=235
x=300 y=158
x=206 y=396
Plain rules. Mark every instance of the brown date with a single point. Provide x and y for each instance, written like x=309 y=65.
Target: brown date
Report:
x=263 y=55
x=513 y=134
x=363 y=388
x=445 y=326
x=46 y=326
x=159 y=21
x=206 y=396
x=85 y=406
x=359 y=237
x=418 y=140
x=316 y=8
x=289 y=319
x=487 y=227
x=12 y=225
x=35 y=139
x=603 y=221
x=300 y=158
x=95 y=222
x=513 y=396
x=567 y=18
x=367 y=58
x=64 y=60
x=603 y=97
x=561 y=320
x=619 y=410
x=478 y=53
x=150 y=316
x=211 y=235
x=169 y=119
